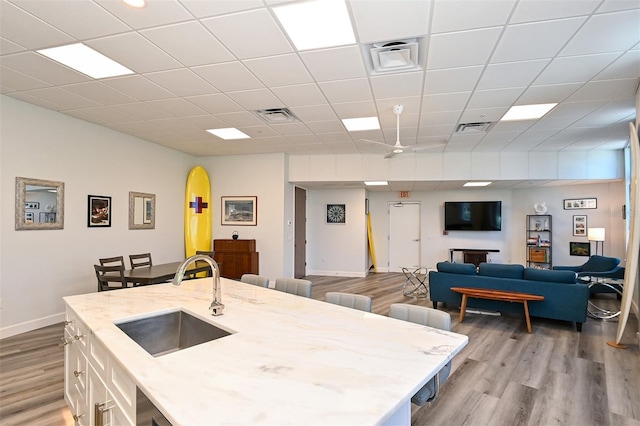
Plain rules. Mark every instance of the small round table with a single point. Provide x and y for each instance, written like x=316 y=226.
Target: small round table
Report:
x=597 y=312
x=414 y=285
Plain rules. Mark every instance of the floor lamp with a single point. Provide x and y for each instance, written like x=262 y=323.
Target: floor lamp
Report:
x=597 y=235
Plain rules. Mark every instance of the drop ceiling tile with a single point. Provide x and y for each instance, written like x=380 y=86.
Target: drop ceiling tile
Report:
x=141 y=111
x=154 y=13
x=229 y=77
x=216 y=103
x=482 y=114
x=397 y=85
x=435 y=133
x=338 y=63
x=300 y=95
x=445 y=49
x=511 y=126
x=451 y=80
x=264 y=39
x=494 y=98
x=540 y=10
x=177 y=107
x=604 y=90
x=25 y=96
x=442 y=118
x=610 y=32
x=608 y=115
x=445 y=101
x=42 y=68
x=258 y=132
x=256 y=99
x=190 y=43
x=240 y=119
x=357 y=89
x=7 y=47
x=401 y=19
x=626 y=66
x=172 y=124
x=203 y=9
x=14 y=80
x=511 y=74
x=456 y=16
x=517 y=43
x=135 y=52
x=100 y=115
x=138 y=87
x=281 y=70
x=333 y=127
x=570 y=69
x=339 y=136
x=411 y=105
x=66 y=100
x=14 y=20
x=182 y=82
x=100 y=93
x=95 y=21
x=355 y=109
x=315 y=113
x=291 y=129
x=205 y=122
x=136 y=128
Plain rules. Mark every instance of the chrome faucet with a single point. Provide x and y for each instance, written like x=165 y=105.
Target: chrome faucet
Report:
x=216 y=305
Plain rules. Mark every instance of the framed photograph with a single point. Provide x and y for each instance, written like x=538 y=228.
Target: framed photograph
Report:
x=239 y=211
x=47 y=217
x=580 y=203
x=99 y=211
x=579 y=249
x=32 y=205
x=336 y=213
x=580 y=226
x=28 y=217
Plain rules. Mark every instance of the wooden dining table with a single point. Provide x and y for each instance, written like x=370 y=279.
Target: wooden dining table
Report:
x=163 y=272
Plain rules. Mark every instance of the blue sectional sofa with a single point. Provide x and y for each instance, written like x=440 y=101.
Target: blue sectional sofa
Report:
x=564 y=298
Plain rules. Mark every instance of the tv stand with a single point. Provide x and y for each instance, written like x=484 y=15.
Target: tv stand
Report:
x=475 y=256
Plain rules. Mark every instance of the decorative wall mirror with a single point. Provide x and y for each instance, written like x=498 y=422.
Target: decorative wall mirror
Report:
x=142 y=210
x=39 y=204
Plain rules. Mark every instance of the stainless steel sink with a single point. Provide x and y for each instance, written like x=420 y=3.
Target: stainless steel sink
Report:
x=170 y=332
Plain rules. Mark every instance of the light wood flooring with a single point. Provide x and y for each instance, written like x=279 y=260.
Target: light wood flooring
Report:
x=505 y=376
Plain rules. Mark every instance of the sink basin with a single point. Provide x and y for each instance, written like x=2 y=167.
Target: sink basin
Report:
x=166 y=333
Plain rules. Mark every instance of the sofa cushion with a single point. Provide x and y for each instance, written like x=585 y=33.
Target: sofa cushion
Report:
x=600 y=264
x=547 y=275
x=501 y=270
x=457 y=268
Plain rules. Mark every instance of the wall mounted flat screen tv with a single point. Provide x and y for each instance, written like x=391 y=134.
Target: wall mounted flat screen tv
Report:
x=473 y=216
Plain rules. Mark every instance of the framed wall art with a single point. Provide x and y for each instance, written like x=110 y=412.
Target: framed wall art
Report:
x=579 y=249
x=580 y=203
x=336 y=213
x=99 y=211
x=580 y=226
x=239 y=211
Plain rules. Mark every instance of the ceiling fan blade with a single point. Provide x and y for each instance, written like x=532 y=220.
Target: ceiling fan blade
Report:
x=389 y=154
x=377 y=143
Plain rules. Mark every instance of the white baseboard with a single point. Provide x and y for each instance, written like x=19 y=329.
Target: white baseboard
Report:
x=35 y=324
x=348 y=274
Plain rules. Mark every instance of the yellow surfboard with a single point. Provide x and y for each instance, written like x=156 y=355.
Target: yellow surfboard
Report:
x=198 y=212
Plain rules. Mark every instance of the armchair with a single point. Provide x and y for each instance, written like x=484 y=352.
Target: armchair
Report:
x=597 y=267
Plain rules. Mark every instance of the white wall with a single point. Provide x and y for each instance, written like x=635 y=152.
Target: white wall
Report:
x=262 y=176
x=38 y=268
x=337 y=249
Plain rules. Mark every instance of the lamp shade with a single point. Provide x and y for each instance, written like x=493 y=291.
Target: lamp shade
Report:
x=595 y=234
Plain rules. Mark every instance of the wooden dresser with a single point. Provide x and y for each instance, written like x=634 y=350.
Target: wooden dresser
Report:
x=237 y=257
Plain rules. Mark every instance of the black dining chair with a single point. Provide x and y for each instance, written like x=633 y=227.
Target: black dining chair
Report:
x=140 y=260
x=112 y=261
x=110 y=274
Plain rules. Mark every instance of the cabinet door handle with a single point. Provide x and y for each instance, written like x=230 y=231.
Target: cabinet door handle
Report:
x=65 y=341
x=76 y=418
x=78 y=337
x=78 y=373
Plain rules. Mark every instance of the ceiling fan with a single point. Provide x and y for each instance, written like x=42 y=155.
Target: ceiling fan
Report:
x=398 y=148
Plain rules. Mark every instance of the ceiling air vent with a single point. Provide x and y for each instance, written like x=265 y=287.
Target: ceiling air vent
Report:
x=480 y=127
x=276 y=115
x=395 y=56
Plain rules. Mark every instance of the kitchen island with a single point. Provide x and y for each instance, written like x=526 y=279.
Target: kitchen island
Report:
x=288 y=359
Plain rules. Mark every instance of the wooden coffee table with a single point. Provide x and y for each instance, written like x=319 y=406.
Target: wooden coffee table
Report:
x=508 y=296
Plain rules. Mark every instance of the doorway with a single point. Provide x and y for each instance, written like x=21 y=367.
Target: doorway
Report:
x=404 y=236
x=300 y=233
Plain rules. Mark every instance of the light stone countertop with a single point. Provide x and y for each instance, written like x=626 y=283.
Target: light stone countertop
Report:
x=291 y=360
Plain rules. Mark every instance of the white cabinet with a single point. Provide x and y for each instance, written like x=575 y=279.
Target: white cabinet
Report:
x=97 y=389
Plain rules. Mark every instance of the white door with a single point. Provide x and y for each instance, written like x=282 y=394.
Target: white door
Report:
x=404 y=236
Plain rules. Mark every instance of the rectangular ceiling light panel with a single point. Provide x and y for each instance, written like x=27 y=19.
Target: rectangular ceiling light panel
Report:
x=228 y=133
x=84 y=59
x=317 y=24
x=363 y=123
x=527 y=112
x=477 y=184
